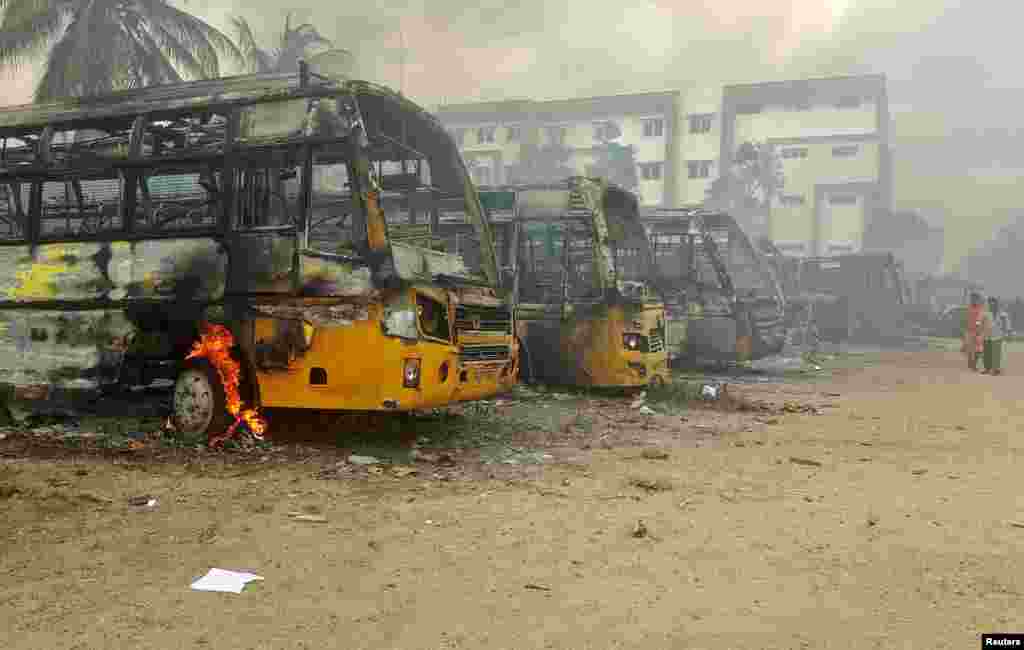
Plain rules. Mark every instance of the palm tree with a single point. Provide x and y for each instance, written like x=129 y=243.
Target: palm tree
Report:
x=295 y=43
x=749 y=187
x=97 y=46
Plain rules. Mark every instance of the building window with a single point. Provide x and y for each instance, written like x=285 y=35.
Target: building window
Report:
x=792 y=200
x=556 y=134
x=485 y=135
x=849 y=102
x=604 y=131
x=700 y=123
x=699 y=168
x=512 y=134
x=845 y=151
x=482 y=175
x=794 y=152
x=654 y=127
x=650 y=171
x=842 y=199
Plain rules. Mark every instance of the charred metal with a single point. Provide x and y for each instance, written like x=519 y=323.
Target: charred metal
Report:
x=284 y=206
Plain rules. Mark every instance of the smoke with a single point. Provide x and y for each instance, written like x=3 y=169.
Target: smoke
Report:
x=954 y=91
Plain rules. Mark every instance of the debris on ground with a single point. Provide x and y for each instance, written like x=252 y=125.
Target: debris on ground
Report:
x=654 y=454
x=710 y=392
x=794 y=407
x=145 y=500
x=651 y=485
x=536 y=587
x=1016 y=524
x=224 y=581
x=804 y=461
x=363 y=460
x=640 y=530
x=312 y=519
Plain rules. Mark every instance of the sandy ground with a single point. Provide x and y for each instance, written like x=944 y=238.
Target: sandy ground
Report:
x=887 y=520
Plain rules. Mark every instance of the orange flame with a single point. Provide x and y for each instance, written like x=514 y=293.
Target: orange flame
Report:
x=215 y=346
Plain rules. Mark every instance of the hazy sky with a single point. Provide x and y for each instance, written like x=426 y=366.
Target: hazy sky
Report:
x=954 y=86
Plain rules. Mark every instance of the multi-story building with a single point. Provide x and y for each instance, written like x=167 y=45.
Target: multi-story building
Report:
x=492 y=135
x=832 y=136
x=698 y=144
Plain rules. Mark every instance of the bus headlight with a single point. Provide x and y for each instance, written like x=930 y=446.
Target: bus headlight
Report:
x=631 y=341
x=411 y=373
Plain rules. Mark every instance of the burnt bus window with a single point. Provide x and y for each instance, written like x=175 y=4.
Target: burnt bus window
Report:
x=540 y=263
x=433 y=318
x=266 y=196
x=14 y=204
x=332 y=228
x=178 y=199
x=75 y=207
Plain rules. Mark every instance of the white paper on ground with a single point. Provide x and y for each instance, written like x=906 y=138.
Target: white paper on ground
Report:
x=223 y=580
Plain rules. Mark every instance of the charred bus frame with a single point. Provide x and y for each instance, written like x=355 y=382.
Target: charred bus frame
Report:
x=257 y=202
x=723 y=300
x=857 y=296
x=580 y=269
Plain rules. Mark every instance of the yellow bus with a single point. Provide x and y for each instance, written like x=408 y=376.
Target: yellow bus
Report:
x=261 y=241
x=580 y=265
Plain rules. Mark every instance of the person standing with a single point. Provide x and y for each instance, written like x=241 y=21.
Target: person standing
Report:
x=973 y=344
x=997 y=329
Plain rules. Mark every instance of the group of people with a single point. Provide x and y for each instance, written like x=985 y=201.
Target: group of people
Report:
x=986 y=327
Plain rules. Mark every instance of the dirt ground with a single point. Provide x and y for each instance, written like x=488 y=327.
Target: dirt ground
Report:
x=874 y=505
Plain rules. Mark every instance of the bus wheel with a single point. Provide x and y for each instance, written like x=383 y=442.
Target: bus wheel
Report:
x=200 y=405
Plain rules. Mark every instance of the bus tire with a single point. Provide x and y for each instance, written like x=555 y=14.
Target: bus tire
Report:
x=200 y=405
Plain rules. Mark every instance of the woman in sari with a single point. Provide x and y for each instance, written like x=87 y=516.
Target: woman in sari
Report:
x=974 y=336
x=997 y=330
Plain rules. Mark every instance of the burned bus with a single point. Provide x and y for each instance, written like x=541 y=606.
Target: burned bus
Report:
x=583 y=283
x=860 y=296
x=723 y=301
x=241 y=223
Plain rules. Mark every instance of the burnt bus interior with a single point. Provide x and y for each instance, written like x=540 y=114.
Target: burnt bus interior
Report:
x=556 y=253
x=138 y=166
x=706 y=258
x=556 y=256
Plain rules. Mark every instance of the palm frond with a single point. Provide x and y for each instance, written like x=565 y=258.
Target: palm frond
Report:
x=154 y=58
x=210 y=39
x=87 y=57
x=175 y=53
x=256 y=59
x=29 y=27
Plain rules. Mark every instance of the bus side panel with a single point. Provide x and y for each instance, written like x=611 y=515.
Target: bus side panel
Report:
x=261 y=263
x=587 y=349
x=51 y=355
x=354 y=366
x=44 y=348
x=157 y=269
